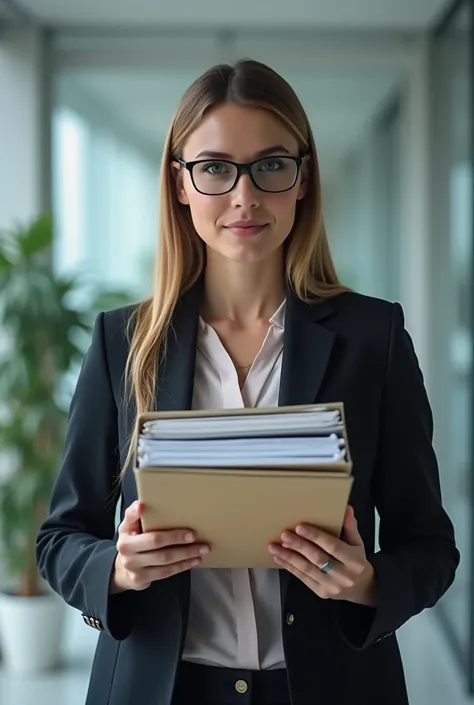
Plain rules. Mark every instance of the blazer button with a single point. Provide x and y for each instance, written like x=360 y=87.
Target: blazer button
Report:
x=241 y=686
x=290 y=619
x=87 y=620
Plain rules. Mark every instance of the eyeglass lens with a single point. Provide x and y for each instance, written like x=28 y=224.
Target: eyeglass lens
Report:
x=217 y=177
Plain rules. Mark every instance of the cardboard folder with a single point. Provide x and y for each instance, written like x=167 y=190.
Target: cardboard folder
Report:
x=239 y=511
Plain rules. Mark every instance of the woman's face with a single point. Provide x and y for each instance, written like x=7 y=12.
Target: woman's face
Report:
x=246 y=224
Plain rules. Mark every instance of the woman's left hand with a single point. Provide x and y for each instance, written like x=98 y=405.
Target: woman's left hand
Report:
x=346 y=574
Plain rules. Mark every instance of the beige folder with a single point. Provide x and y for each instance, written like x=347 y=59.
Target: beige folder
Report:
x=240 y=511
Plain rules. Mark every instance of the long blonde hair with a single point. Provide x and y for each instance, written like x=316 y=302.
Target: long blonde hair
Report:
x=180 y=257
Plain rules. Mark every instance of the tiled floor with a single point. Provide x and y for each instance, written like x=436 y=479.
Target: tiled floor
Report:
x=433 y=678
x=432 y=675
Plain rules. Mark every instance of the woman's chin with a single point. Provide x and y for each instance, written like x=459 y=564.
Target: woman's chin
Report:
x=249 y=253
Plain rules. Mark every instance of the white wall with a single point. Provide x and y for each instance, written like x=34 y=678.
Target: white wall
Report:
x=21 y=125
x=350 y=218
x=416 y=206
x=359 y=214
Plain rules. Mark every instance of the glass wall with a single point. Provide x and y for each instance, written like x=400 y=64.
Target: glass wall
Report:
x=105 y=191
x=363 y=206
x=388 y=199
x=451 y=379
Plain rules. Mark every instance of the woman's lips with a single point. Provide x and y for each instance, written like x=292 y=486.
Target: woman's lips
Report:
x=246 y=230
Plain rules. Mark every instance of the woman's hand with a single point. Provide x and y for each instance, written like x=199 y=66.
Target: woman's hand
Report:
x=346 y=574
x=143 y=558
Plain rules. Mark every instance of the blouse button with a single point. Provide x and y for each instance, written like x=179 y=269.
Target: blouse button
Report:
x=241 y=686
x=290 y=619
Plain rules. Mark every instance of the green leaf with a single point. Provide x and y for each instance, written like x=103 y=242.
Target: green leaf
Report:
x=5 y=264
x=38 y=238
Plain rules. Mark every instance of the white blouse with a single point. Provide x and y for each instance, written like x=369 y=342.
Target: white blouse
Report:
x=235 y=615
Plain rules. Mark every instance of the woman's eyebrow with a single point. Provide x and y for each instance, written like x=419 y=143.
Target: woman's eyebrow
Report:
x=208 y=154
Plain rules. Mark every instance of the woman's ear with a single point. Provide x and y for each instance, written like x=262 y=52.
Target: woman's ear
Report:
x=177 y=174
x=303 y=187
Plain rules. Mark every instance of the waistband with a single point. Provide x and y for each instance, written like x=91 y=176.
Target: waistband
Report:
x=218 y=686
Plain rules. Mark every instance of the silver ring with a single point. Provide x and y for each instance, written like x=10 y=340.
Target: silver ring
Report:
x=326 y=567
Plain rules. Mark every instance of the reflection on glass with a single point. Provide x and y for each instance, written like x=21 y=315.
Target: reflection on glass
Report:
x=452 y=385
x=105 y=193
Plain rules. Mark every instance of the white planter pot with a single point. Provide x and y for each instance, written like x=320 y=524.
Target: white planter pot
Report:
x=30 y=632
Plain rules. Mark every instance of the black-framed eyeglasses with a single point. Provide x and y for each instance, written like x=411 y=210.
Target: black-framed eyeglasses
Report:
x=215 y=177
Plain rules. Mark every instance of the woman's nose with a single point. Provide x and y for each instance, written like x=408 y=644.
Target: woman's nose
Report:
x=245 y=194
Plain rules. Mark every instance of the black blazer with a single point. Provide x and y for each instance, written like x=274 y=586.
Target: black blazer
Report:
x=352 y=349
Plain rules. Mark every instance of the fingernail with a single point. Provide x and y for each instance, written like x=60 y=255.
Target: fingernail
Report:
x=189 y=538
x=287 y=538
x=274 y=549
x=204 y=550
x=301 y=530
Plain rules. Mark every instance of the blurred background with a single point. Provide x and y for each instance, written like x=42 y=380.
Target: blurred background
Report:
x=87 y=91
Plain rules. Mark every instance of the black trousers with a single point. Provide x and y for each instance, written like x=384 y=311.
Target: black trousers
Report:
x=209 y=685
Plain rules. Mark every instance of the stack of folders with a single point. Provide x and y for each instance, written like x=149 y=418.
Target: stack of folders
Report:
x=238 y=478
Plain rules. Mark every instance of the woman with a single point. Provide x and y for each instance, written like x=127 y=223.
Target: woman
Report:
x=249 y=309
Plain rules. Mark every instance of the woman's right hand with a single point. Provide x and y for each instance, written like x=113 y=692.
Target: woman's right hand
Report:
x=143 y=558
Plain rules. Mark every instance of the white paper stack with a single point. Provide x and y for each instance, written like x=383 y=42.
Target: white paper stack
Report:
x=239 y=477
x=305 y=438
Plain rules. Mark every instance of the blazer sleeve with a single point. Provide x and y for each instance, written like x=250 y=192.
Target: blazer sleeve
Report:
x=75 y=547
x=418 y=557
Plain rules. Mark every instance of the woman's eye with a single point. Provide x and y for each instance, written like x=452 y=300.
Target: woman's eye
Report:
x=215 y=168
x=271 y=165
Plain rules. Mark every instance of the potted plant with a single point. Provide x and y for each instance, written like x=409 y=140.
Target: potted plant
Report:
x=42 y=337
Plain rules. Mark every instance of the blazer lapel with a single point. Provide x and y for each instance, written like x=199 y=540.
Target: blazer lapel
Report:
x=174 y=390
x=175 y=380
x=306 y=354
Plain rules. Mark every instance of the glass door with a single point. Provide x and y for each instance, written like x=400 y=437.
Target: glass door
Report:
x=452 y=312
